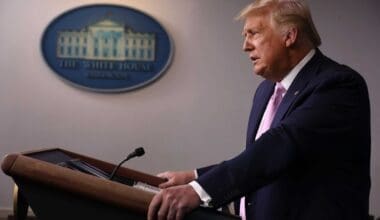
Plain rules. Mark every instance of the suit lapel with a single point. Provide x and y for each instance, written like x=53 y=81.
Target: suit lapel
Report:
x=299 y=83
x=262 y=97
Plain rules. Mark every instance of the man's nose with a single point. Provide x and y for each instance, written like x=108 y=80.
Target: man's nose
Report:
x=247 y=46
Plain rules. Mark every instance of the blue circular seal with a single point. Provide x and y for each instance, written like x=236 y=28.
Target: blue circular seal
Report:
x=107 y=48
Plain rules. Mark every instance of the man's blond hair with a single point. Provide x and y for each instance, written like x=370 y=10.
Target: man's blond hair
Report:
x=284 y=13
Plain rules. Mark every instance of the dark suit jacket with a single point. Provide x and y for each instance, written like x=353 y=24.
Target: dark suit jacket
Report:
x=314 y=161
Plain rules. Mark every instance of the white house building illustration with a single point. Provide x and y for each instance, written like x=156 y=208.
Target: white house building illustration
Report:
x=106 y=40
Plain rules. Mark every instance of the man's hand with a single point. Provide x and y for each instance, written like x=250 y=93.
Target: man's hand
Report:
x=176 y=178
x=173 y=203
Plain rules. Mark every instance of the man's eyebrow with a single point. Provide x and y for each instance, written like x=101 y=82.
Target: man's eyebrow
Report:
x=250 y=31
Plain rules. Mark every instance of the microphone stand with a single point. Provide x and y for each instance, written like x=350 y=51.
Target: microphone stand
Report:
x=137 y=153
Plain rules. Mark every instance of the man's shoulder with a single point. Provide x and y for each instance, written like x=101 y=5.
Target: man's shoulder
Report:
x=332 y=70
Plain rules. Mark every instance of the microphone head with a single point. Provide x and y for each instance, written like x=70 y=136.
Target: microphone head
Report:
x=139 y=151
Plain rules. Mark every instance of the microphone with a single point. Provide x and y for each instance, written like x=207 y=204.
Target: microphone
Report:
x=138 y=152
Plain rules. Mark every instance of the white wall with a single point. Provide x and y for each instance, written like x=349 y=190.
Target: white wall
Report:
x=201 y=103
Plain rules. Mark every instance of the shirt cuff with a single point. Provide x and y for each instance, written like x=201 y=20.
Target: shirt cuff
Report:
x=203 y=195
x=196 y=174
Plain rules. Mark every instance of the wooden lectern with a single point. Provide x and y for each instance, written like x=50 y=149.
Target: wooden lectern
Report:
x=57 y=191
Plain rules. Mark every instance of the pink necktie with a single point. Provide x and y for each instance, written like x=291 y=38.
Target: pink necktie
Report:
x=265 y=124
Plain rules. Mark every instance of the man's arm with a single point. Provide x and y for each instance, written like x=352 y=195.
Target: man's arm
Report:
x=328 y=124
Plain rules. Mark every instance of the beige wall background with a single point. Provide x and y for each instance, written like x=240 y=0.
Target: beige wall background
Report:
x=194 y=115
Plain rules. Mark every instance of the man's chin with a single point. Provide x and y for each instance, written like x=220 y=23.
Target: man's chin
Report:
x=258 y=72
x=263 y=75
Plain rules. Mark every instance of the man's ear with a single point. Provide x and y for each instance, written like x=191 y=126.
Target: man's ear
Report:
x=291 y=36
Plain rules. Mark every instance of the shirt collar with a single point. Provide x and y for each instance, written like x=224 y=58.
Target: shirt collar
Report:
x=287 y=81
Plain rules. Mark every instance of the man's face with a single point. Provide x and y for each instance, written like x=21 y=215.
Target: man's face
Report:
x=265 y=47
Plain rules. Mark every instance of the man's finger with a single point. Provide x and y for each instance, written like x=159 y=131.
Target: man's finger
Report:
x=172 y=211
x=154 y=206
x=166 y=184
x=180 y=214
x=165 y=175
x=164 y=209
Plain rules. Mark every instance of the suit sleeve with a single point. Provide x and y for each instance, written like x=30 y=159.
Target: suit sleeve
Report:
x=326 y=125
x=203 y=170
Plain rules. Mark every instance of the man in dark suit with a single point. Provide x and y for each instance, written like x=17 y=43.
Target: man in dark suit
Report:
x=308 y=141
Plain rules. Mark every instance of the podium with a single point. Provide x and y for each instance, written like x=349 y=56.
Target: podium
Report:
x=54 y=190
